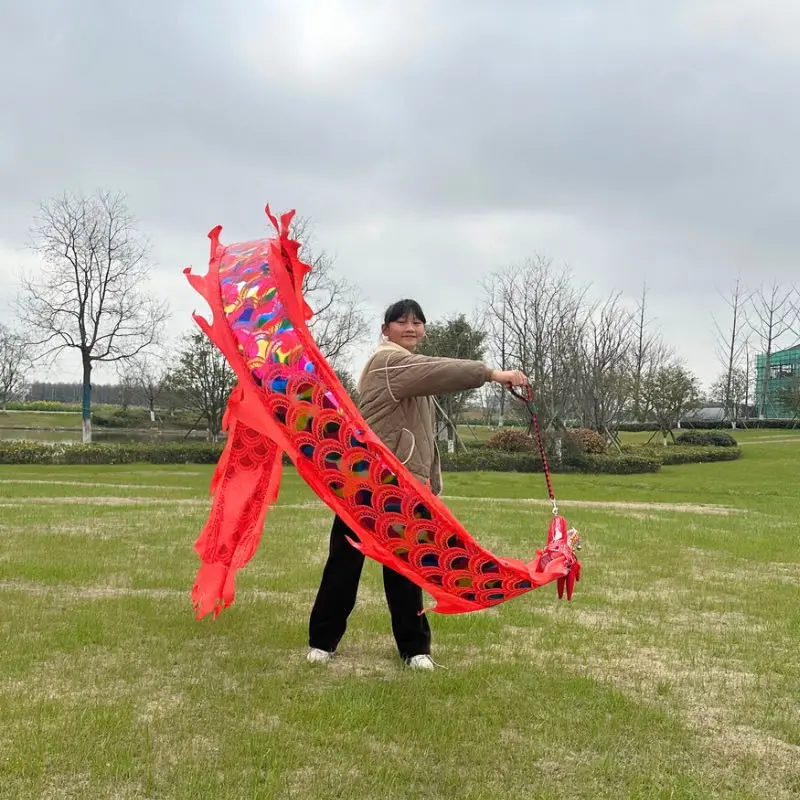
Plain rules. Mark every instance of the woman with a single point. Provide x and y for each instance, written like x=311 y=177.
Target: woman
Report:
x=396 y=389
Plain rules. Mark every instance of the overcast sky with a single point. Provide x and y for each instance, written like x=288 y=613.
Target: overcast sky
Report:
x=429 y=142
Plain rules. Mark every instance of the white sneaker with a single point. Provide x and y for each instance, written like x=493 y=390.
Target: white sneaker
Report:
x=421 y=662
x=317 y=656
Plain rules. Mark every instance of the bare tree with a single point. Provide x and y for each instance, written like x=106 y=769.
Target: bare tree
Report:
x=15 y=363
x=647 y=355
x=493 y=323
x=339 y=322
x=749 y=377
x=89 y=294
x=455 y=337
x=146 y=374
x=488 y=398
x=127 y=387
x=659 y=356
x=731 y=344
x=775 y=313
x=731 y=390
x=545 y=318
x=607 y=347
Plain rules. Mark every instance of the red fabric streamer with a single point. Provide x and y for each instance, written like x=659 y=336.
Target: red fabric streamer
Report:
x=288 y=399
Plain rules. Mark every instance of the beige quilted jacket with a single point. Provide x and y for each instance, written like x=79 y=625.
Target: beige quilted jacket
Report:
x=396 y=391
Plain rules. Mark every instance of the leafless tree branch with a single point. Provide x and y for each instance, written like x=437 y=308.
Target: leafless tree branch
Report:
x=15 y=363
x=774 y=314
x=88 y=295
x=339 y=322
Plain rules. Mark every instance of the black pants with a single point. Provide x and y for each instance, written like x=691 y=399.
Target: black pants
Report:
x=337 y=597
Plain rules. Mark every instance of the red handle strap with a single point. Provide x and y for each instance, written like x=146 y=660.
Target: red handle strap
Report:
x=527 y=399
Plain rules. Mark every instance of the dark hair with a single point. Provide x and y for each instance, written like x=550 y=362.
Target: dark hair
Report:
x=401 y=308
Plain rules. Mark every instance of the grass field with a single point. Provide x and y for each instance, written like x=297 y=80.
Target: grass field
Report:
x=62 y=420
x=66 y=426
x=674 y=672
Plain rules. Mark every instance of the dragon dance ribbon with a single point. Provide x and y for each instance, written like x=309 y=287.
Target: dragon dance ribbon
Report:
x=289 y=400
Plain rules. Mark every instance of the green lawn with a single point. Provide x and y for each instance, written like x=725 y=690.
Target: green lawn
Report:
x=66 y=425
x=69 y=420
x=674 y=672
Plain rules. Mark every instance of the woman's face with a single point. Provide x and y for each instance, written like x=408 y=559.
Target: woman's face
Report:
x=408 y=331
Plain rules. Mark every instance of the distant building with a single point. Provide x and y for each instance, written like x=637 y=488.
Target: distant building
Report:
x=703 y=414
x=783 y=367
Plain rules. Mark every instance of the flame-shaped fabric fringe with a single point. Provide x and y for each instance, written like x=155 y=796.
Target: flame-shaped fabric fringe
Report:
x=288 y=399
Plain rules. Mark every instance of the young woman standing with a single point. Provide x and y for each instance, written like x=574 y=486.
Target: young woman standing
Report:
x=396 y=389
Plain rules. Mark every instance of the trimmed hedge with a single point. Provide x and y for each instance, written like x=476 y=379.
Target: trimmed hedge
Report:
x=487 y=460
x=24 y=452
x=44 y=405
x=636 y=459
x=131 y=418
x=690 y=454
x=712 y=425
x=684 y=454
x=715 y=438
x=626 y=464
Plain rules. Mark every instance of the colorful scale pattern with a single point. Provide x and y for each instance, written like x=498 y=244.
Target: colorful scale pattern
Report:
x=397 y=520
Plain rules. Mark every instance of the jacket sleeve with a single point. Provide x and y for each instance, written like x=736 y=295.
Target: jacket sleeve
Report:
x=415 y=375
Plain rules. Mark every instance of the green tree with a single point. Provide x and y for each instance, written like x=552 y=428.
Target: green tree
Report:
x=670 y=391
x=730 y=390
x=348 y=383
x=456 y=337
x=203 y=380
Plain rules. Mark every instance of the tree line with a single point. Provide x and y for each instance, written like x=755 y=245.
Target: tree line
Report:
x=592 y=362
x=89 y=297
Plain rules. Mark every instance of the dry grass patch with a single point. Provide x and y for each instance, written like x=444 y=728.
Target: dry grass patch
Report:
x=95 y=484
x=704 y=691
x=78 y=593
x=671 y=673
x=607 y=505
x=104 y=500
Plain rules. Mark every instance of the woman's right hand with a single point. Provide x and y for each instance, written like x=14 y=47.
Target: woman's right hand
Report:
x=510 y=377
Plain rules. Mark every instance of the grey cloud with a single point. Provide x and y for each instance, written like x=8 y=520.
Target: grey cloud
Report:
x=666 y=139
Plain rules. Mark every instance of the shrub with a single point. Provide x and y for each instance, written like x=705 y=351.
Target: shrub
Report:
x=685 y=454
x=44 y=405
x=512 y=441
x=774 y=423
x=635 y=458
x=23 y=452
x=490 y=460
x=712 y=424
x=14 y=452
x=585 y=440
x=627 y=464
x=130 y=418
x=637 y=427
x=698 y=454
x=716 y=438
